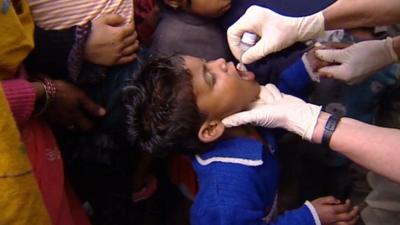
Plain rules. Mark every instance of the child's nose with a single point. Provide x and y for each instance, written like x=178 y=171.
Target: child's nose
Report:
x=219 y=61
x=219 y=64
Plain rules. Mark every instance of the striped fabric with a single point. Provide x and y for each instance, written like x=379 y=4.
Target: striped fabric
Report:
x=61 y=14
x=75 y=57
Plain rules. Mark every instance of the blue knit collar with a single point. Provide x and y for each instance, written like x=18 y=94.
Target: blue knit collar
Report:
x=238 y=147
x=239 y=150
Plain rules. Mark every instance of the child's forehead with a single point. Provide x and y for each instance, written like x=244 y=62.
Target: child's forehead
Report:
x=194 y=65
x=190 y=60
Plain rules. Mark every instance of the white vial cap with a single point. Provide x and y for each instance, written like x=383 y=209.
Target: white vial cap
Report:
x=249 y=38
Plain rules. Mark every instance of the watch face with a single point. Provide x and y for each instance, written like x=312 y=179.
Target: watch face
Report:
x=336 y=108
x=376 y=87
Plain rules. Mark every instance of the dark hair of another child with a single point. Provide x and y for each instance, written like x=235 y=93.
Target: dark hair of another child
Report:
x=163 y=116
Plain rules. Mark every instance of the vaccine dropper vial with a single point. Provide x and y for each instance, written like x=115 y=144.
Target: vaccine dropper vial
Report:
x=248 y=40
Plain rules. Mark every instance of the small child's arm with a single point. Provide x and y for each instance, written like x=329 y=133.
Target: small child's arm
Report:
x=322 y=211
x=331 y=211
x=297 y=79
x=319 y=212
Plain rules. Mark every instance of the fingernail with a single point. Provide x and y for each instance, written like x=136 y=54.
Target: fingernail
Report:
x=318 y=44
x=241 y=67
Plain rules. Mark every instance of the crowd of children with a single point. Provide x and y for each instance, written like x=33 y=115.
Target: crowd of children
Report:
x=119 y=106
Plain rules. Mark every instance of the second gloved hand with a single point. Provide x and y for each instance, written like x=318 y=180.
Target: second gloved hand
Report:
x=358 y=61
x=275 y=109
x=276 y=31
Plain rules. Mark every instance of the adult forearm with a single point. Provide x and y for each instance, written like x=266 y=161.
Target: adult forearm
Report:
x=361 y=13
x=375 y=148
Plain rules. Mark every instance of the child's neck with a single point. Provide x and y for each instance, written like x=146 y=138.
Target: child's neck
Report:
x=242 y=131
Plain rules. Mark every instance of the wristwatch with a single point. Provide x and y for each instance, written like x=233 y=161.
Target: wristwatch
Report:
x=330 y=127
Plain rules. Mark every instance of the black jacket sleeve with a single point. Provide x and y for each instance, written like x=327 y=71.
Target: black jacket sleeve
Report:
x=51 y=52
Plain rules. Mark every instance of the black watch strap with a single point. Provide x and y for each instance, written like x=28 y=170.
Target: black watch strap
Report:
x=330 y=127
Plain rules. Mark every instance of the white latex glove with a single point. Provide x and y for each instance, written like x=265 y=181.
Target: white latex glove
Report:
x=275 y=109
x=276 y=31
x=357 y=61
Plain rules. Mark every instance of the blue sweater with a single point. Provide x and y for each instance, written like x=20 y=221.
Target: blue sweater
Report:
x=238 y=185
x=238 y=177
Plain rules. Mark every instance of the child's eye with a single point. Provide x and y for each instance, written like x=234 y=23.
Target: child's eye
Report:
x=211 y=77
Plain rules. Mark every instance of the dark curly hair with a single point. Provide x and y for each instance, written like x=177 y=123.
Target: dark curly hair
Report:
x=163 y=116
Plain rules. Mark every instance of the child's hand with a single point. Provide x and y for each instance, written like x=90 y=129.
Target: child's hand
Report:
x=111 y=41
x=332 y=212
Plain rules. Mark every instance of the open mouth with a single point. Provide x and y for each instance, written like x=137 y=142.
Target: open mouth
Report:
x=246 y=75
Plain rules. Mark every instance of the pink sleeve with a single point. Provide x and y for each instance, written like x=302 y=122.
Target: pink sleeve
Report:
x=21 y=98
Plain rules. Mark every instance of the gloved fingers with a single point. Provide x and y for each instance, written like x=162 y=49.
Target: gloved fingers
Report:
x=239 y=119
x=234 y=35
x=235 y=32
x=258 y=51
x=253 y=21
x=328 y=71
x=340 y=72
x=336 y=71
x=257 y=103
x=331 y=55
x=270 y=94
x=335 y=45
x=390 y=49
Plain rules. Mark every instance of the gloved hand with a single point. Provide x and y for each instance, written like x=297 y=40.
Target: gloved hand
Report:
x=276 y=31
x=275 y=109
x=358 y=61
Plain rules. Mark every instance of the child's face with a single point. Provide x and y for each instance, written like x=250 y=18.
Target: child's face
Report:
x=219 y=88
x=208 y=8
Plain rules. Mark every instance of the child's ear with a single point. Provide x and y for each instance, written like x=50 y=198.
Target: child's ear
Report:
x=211 y=131
x=175 y=4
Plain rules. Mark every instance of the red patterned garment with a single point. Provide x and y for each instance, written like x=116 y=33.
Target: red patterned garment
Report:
x=147 y=13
